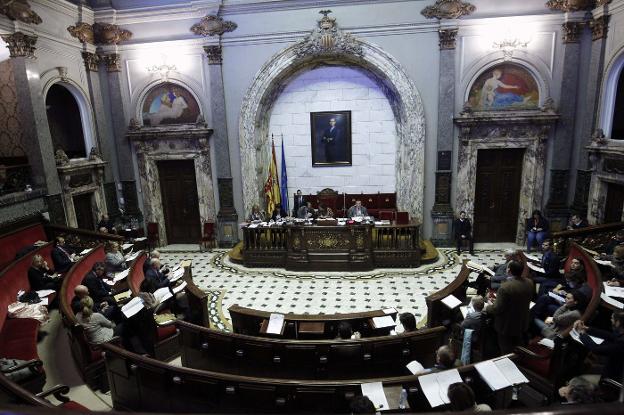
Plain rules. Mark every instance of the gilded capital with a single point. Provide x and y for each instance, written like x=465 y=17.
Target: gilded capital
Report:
x=448 y=9
x=91 y=61
x=21 y=45
x=19 y=10
x=83 y=32
x=110 y=34
x=572 y=31
x=213 y=52
x=447 y=38
x=112 y=62
x=599 y=27
x=213 y=25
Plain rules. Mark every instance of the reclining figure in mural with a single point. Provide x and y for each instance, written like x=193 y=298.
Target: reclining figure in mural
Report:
x=170 y=105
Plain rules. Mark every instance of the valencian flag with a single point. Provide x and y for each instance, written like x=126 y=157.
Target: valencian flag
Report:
x=284 y=182
x=271 y=187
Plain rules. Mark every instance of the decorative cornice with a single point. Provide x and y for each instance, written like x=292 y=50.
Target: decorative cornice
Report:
x=599 y=27
x=112 y=62
x=328 y=39
x=83 y=32
x=570 y=5
x=110 y=34
x=448 y=38
x=213 y=25
x=19 y=10
x=448 y=9
x=572 y=31
x=213 y=52
x=91 y=61
x=20 y=45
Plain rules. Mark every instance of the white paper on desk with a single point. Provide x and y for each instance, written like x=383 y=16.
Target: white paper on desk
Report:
x=431 y=389
x=253 y=225
x=121 y=275
x=557 y=297
x=179 y=287
x=276 y=322
x=414 y=366
x=141 y=239
x=531 y=257
x=510 y=371
x=176 y=275
x=605 y=263
x=126 y=246
x=536 y=268
x=44 y=301
x=162 y=294
x=492 y=375
x=612 y=301
x=575 y=335
x=132 y=307
x=613 y=291
x=44 y=293
x=383 y=321
x=133 y=256
x=451 y=301
x=84 y=251
x=376 y=394
x=389 y=310
x=445 y=379
x=478 y=267
x=547 y=342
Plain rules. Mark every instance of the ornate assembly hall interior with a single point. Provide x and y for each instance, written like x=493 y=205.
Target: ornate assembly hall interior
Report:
x=312 y=206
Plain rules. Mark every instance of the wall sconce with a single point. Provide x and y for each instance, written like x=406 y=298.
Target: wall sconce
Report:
x=510 y=44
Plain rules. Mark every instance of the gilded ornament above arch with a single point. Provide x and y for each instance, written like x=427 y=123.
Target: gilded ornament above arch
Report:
x=328 y=39
x=448 y=9
x=213 y=25
x=110 y=34
x=83 y=32
x=19 y=10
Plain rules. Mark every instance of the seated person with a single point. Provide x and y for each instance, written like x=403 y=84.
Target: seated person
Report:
x=278 y=213
x=608 y=249
x=612 y=347
x=80 y=292
x=616 y=273
x=407 y=322
x=111 y=312
x=463 y=232
x=325 y=211
x=537 y=230
x=255 y=214
x=41 y=277
x=576 y=222
x=462 y=398
x=62 y=258
x=105 y=224
x=155 y=275
x=155 y=254
x=357 y=210
x=305 y=211
x=345 y=332
x=564 y=317
x=146 y=292
x=362 y=404
x=445 y=359
x=550 y=263
x=98 y=329
x=99 y=290
x=114 y=259
x=473 y=318
x=500 y=271
x=578 y=390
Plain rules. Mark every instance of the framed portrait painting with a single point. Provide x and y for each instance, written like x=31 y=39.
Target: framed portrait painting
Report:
x=331 y=138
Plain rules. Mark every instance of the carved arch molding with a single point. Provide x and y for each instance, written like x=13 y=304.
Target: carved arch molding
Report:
x=328 y=45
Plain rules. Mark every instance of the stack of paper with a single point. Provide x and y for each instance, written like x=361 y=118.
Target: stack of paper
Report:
x=134 y=306
x=451 y=301
x=613 y=291
x=374 y=391
x=383 y=321
x=176 y=274
x=415 y=367
x=536 y=268
x=141 y=239
x=179 y=287
x=435 y=386
x=500 y=373
x=478 y=267
x=132 y=257
x=276 y=322
x=531 y=257
x=162 y=294
x=612 y=301
x=126 y=246
x=44 y=293
x=121 y=275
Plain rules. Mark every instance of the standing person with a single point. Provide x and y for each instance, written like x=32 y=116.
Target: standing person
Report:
x=357 y=210
x=298 y=202
x=332 y=141
x=463 y=232
x=511 y=309
x=537 y=230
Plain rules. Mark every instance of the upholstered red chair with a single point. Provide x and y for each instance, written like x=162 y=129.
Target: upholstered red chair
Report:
x=402 y=218
x=386 y=215
x=153 y=237
x=208 y=240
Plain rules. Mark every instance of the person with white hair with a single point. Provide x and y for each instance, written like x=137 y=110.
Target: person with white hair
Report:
x=500 y=271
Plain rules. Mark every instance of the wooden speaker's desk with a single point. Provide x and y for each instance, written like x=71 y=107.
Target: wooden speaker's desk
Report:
x=326 y=246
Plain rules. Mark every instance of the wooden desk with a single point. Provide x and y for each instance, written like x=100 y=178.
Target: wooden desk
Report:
x=331 y=247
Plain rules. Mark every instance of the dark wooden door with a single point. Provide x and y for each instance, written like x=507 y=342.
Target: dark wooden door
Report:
x=178 y=188
x=497 y=195
x=614 y=203
x=83 y=206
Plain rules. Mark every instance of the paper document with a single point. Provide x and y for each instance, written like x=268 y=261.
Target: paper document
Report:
x=531 y=257
x=451 y=301
x=179 y=288
x=389 y=310
x=612 y=301
x=576 y=336
x=84 y=251
x=141 y=239
x=557 y=297
x=435 y=386
x=376 y=394
x=511 y=371
x=121 y=275
x=134 y=306
x=126 y=246
x=479 y=267
x=276 y=322
x=611 y=291
x=531 y=304
x=414 y=366
x=162 y=294
x=44 y=293
x=122 y=295
x=44 y=301
x=176 y=275
x=536 y=268
x=383 y=321
x=547 y=342
x=133 y=256
x=604 y=262
x=109 y=281
x=500 y=373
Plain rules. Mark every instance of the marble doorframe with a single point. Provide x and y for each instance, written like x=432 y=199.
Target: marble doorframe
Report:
x=607 y=164
x=152 y=147
x=80 y=176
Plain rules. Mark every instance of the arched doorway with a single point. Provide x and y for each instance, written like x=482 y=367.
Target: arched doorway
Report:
x=65 y=122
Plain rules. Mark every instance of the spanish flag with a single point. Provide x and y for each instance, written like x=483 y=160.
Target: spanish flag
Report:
x=271 y=187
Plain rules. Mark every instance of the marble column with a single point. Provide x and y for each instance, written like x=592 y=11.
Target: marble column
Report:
x=112 y=63
x=599 y=28
x=442 y=213
x=104 y=137
x=227 y=218
x=31 y=104
x=557 y=206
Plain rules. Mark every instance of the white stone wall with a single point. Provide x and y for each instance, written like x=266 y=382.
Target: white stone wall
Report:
x=373 y=129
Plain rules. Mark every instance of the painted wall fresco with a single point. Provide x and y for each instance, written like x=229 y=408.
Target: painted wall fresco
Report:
x=504 y=87
x=168 y=104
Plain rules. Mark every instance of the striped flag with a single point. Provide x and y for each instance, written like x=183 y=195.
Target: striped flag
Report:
x=271 y=187
x=284 y=182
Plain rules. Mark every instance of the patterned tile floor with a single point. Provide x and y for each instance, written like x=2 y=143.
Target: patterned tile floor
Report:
x=329 y=292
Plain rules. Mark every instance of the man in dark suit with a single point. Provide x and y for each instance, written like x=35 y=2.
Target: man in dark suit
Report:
x=511 y=309
x=61 y=257
x=550 y=263
x=332 y=140
x=463 y=232
x=298 y=202
x=100 y=291
x=612 y=347
x=155 y=275
x=305 y=211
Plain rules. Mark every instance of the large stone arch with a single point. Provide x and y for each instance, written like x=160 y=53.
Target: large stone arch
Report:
x=327 y=45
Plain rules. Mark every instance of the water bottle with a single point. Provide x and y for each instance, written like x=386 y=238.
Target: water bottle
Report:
x=403 y=399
